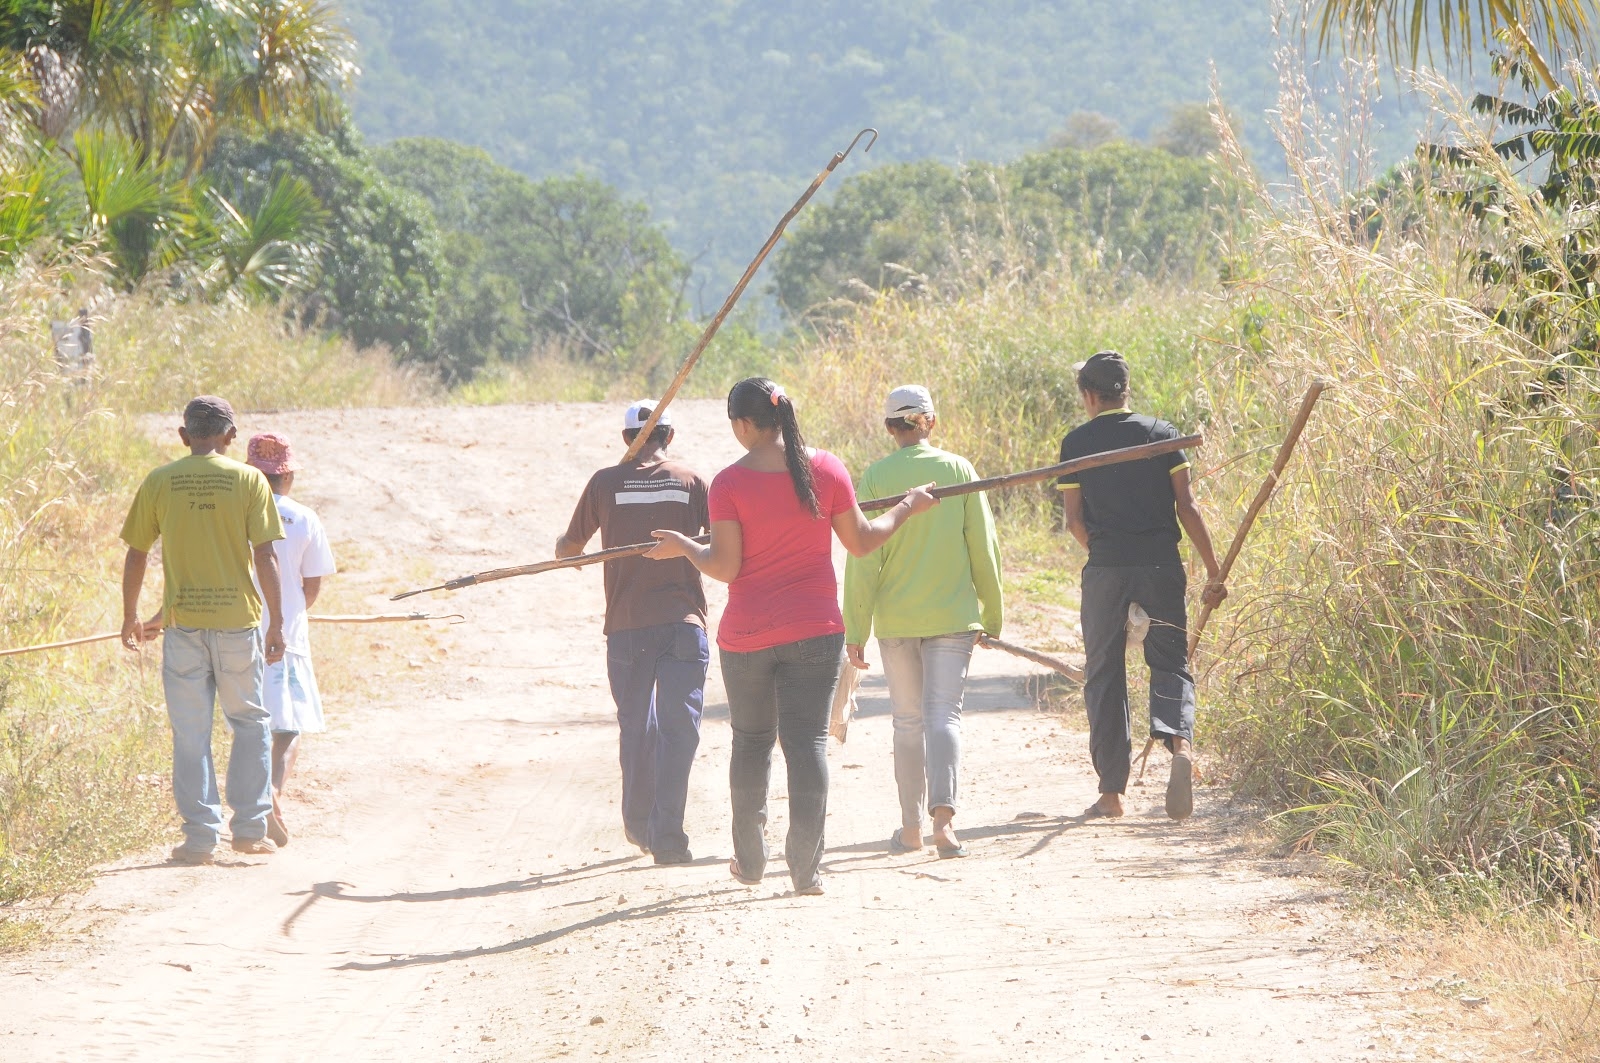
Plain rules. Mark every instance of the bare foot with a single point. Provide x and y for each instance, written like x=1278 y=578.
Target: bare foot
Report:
x=1109 y=806
x=944 y=835
x=813 y=890
x=911 y=837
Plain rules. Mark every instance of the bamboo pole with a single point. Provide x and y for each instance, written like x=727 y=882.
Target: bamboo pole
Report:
x=1048 y=472
x=733 y=297
x=1055 y=664
x=61 y=645
x=382 y=618
x=1268 y=486
x=1090 y=461
x=373 y=618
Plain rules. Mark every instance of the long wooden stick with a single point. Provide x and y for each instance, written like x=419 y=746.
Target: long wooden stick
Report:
x=61 y=645
x=375 y=618
x=1089 y=461
x=1270 y=484
x=380 y=618
x=733 y=296
x=580 y=561
x=1048 y=472
x=1071 y=671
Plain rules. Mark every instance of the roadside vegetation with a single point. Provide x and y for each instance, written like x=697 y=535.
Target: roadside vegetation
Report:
x=1407 y=673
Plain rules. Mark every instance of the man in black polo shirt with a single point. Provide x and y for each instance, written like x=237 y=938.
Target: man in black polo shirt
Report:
x=1127 y=517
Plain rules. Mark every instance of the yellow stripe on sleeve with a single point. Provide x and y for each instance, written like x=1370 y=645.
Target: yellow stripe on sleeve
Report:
x=1178 y=468
x=1068 y=487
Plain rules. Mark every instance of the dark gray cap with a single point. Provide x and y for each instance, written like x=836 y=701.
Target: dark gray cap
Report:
x=1105 y=373
x=208 y=415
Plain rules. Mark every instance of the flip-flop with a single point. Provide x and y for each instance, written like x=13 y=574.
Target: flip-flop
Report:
x=900 y=848
x=738 y=873
x=952 y=854
x=1096 y=812
x=276 y=830
x=1180 y=787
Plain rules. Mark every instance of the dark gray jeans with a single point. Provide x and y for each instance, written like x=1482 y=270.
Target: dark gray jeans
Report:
x=781 y=694
x=1107 y=592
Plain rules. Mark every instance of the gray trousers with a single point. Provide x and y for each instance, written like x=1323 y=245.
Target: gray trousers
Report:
x=783 y=694
x=1107 y=593
x=927 y=681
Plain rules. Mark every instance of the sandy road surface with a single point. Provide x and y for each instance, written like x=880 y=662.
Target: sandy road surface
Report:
x=458 y=885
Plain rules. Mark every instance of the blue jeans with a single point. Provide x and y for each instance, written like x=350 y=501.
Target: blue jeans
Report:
x=781 y=694
x=927 y=681
x=658 y=680
x=199 y=668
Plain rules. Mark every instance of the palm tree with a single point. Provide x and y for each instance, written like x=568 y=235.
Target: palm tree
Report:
x=137 y=208
x=271 y=252
x=168 y=75
x=1536 y=29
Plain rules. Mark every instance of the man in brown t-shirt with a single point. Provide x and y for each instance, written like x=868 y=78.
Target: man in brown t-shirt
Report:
x=656 y=650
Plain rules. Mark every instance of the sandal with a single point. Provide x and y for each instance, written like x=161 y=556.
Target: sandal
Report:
x=1180 y=787
x=900 y=848
x=738 y=875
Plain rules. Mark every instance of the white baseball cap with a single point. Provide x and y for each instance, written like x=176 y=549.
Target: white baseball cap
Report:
x=637 y=414
x=906 y=400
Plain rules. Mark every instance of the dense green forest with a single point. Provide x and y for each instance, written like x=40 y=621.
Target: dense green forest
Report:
x=715 y=113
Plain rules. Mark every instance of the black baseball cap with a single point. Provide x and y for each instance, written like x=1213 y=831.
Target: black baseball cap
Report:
x=1105 y=373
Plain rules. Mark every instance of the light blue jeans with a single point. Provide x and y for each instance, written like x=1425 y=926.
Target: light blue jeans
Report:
x=200 y=667
x=927 y=681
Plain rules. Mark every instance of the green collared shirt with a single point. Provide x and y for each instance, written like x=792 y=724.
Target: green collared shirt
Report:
x=940 y=573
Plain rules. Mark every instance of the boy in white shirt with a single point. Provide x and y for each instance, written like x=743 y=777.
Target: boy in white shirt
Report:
x=290 y=686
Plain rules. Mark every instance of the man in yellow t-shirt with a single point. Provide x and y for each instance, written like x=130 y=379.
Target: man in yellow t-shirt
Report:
x=213 y=515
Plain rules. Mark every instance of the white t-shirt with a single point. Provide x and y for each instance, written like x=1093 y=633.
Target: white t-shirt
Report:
x=302 y=552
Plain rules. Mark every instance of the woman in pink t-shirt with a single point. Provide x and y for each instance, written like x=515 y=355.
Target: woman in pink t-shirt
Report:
x=774 y=513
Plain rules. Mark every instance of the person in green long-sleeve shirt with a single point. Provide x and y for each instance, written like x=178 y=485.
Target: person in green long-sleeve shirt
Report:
x=927 y=593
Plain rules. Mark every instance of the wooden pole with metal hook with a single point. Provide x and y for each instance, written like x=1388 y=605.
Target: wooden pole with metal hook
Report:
x=733 y=296
x=1088 y=461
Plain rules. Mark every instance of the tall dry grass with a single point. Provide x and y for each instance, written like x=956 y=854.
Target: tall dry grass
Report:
x=83 y=736
x=1408 y=667
x=1409 y=661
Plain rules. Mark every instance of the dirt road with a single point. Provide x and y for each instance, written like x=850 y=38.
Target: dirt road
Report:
x=458 y=885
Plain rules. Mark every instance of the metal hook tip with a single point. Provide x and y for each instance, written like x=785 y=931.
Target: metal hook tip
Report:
x=857 y=140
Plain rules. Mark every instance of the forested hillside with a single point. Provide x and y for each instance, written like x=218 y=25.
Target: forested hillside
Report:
x=715 y=112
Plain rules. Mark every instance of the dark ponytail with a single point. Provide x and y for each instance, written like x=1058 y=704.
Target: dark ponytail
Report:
x=763 y=403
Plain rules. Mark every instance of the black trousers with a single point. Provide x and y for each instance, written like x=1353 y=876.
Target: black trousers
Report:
x=1107 y=593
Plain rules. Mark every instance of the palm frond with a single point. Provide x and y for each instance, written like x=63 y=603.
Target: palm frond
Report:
x=1407 y=29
